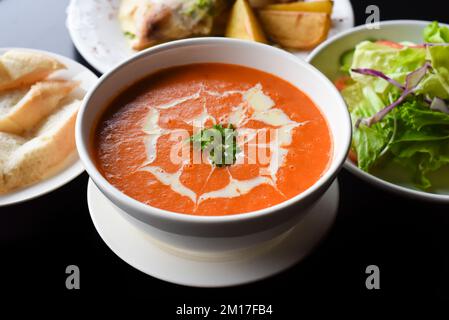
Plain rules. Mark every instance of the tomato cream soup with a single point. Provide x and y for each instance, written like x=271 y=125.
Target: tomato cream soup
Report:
x=160 y=142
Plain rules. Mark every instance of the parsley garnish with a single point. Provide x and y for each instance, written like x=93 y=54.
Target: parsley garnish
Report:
x=129 y=35
x=204 y=4
x=200 y=8
x=220 y=142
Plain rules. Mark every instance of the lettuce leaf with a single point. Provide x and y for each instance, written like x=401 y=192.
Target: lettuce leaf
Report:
x=437 y=83
x=395 y=63
x=416 y=117
x=422 y=157
x=421 y=140
x=362 y=99
x=368 y=142
x=434 y=85
x=433 y=33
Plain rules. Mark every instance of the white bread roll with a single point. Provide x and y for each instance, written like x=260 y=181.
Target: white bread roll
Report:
x=8 y=144
x=21 y=110
x=18 y=68
x=24 y=162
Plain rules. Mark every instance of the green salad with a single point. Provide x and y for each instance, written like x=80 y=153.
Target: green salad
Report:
x=397 y=94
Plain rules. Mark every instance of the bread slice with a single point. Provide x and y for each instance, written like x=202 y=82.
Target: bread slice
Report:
x=52 y=142
x=21 y=110
x=8 y=144
x=18 y=68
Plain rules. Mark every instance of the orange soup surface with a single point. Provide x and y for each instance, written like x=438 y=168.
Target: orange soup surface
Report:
x=143 y=144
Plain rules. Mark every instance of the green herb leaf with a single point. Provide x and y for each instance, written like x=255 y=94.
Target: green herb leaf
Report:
x=129 y=35
x=200 y=8
x=219 y=142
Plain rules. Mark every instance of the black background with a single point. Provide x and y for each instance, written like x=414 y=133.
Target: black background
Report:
x=407 y=239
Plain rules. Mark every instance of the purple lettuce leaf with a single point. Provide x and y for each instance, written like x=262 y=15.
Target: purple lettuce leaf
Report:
x=414 y=78
x=379 y=74
x=382 y=113
x=411 y=83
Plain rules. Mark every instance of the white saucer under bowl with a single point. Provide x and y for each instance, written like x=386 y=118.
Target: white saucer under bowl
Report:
x=157 y=260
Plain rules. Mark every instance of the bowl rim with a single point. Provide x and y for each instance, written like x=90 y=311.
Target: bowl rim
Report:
x=166 y=215
x=349 y=165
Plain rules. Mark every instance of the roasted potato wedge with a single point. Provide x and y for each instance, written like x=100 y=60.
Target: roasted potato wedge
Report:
x=296 y=30
x=243 y=23
x=324 y=6
x=260 y=3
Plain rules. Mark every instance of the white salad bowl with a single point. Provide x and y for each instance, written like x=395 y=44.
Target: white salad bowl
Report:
x=326 y=58
x=216 y=233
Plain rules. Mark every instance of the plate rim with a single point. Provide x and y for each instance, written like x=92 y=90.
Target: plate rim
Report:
x=394 y=188
x=58 y=179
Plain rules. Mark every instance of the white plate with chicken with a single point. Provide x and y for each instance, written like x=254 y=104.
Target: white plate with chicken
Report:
x=106 y=32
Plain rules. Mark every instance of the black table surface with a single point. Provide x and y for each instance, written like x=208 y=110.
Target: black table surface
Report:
x=407 y=239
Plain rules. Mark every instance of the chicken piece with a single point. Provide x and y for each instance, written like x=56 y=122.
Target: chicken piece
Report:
x=149 y=22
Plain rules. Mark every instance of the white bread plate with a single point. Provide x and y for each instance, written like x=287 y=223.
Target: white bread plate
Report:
x=71 y=167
